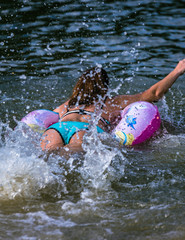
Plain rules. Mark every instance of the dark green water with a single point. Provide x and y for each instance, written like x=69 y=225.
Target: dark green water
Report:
x=109 y=192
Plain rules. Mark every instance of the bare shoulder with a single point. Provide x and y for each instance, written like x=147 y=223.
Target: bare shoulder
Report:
x=62 y=108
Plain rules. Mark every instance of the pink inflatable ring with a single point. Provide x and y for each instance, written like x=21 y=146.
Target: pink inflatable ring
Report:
x=139 y=121
x=40 y=120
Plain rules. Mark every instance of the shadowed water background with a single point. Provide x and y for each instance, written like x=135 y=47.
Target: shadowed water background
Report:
x=107 y=192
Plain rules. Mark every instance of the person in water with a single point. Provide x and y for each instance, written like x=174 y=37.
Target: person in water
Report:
x=89 y=97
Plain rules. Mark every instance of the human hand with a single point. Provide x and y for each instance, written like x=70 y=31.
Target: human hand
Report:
x=180 y=68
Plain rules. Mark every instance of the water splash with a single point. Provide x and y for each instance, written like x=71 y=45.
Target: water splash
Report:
x=23 y=172
x=100 y=160
x=21 y=175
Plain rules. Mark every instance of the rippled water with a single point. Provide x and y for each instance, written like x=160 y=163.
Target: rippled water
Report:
x=107 y=192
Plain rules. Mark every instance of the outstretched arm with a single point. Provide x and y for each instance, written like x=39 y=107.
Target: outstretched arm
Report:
x=155 y=92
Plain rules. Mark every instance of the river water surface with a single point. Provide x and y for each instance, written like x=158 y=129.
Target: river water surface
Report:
x=107 y=192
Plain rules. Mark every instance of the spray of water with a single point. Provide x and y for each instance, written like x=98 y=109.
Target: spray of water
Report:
x=25 y=173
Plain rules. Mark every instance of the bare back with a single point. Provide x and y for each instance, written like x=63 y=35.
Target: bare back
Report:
x=110 y=110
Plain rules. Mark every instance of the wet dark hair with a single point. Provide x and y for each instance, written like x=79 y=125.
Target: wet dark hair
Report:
x=92 y=85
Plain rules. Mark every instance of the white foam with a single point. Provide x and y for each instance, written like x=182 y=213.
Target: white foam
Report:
x=24 y=172
x=22 y=175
